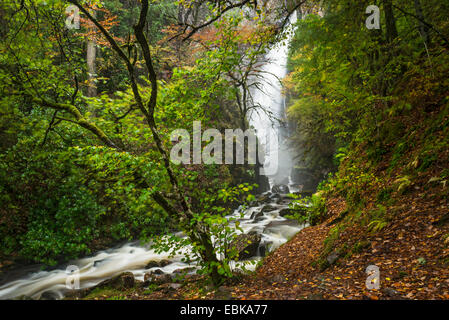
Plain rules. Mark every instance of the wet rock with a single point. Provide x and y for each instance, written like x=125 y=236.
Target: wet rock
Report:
x=275 y=196
x=97 y=262
x=256 y=214
x=254 y=203
x=264 y=198
x=246 y=245
x=128 y=280
x=122 y=281
x=157 y=278
x=280 y=188
x=268 y=208
x=159 y=264
x=156 y=271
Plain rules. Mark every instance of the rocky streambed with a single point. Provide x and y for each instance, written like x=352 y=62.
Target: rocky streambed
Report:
x=264 y=227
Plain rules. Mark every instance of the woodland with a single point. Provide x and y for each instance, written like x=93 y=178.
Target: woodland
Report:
x=91 y=91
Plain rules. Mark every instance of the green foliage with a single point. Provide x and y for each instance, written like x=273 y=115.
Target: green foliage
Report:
x=308 y=209
x=222 y=229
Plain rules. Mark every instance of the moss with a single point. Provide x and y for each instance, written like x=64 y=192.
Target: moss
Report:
x=329 y=244
x=361 y=245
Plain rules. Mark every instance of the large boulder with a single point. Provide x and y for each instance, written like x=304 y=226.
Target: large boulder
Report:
x=156 y=278
x=124 y=280
x=157 y=263
x=280 y=188
x=246 y=245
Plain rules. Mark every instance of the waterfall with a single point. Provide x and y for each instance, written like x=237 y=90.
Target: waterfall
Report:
x=271 y=125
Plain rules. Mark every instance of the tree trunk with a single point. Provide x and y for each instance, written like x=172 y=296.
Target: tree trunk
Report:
x=91 y=66
x=91 y=69
x=423 y=29
x=392 y=32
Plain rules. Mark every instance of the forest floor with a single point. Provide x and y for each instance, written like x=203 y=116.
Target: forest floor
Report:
x=410 y=254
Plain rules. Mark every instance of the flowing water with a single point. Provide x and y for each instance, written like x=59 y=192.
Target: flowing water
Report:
x=133 y=257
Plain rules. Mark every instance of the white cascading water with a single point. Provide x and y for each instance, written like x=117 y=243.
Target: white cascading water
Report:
x=271 y=125
x=133 y=257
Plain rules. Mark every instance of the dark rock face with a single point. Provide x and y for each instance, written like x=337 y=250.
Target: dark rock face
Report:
x=280 y=188
x=264 y=248
x=306 y=178
x=263 y=183
x=246 y=245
